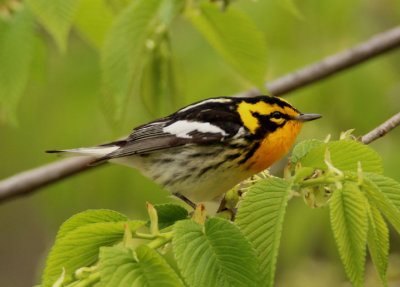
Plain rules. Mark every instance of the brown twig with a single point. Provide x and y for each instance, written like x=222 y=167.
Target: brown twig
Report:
x=382 y=129
x=28 y=181
x=373 y=47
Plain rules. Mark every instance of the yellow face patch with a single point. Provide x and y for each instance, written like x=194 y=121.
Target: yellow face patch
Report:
x=246 y=111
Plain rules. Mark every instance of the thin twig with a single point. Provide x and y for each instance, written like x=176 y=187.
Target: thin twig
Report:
x=381 y=130
x=28 y=181
x=373 y=47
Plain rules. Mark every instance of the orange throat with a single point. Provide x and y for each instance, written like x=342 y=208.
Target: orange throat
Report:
x=274 y=146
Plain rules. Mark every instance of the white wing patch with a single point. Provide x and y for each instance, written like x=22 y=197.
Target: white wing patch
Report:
x=204 y=103
x=183 y=128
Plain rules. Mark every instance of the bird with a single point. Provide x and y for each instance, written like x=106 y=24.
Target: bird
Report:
x=204 y=149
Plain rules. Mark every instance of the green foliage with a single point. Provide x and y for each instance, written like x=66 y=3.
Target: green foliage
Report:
x=383 y=203
x=260 y=217
x=120 y=266
x=216 y=252
x=350 y=173
x=17 y=40
x=388 y=186
x=79 y=239
x=301 y=149
x=157 y=87
x=93 y=20
x=349 y=221
x=378 y=241
x=230 y=32
x=133 y=40
x=169 y=213
x=345 y=155
x=290 y=6
x=89 y=217
x=137 y=30
x=56 y=16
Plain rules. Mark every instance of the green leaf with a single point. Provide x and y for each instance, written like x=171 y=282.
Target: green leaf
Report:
x=345 y=154
x=16 y=49
x=40 y=61
x=80 y=247
x=117 y=5
x=260 y=217
x=302 y=148
x=127 y=47
x=216 y=254
x=56 y=16
x=381 y=199
x=169 y=213
x=378 y=242
x=291 y=7
x=388 y=186
x=302 y=173
x=89 y=217
x=120 y=267
x=349 y=221
x=158 y=87
x=235 y=37
x=93 y=20
x=60 y=281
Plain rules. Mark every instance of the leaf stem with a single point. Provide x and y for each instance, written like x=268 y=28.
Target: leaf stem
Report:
x=152 y=236
x=145 y=236
x=320 y=180
x=88 y=281
x=161 y=240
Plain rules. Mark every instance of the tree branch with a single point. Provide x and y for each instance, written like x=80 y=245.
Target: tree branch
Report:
x=31 y=180
x=381 y=130
x=373 y=47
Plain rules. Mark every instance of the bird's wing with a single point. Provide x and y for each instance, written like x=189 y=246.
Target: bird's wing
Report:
x=202 y=127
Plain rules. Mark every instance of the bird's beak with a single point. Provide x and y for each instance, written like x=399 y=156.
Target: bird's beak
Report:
x=307 y=117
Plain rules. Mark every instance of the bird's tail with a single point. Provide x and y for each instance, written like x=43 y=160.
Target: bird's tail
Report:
x=96 y=151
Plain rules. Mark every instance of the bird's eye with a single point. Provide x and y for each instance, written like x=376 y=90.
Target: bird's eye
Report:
x=276 y=115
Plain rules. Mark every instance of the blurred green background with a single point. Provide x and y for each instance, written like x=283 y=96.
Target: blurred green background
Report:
x=62 y=107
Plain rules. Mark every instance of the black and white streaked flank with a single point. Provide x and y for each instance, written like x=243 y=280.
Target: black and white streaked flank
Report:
x=185 y=150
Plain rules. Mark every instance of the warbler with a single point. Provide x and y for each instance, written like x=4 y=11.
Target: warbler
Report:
x=202 y=150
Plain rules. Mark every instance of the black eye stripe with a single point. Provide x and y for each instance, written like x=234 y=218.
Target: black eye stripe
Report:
x=279 y=115
x=275 y=115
